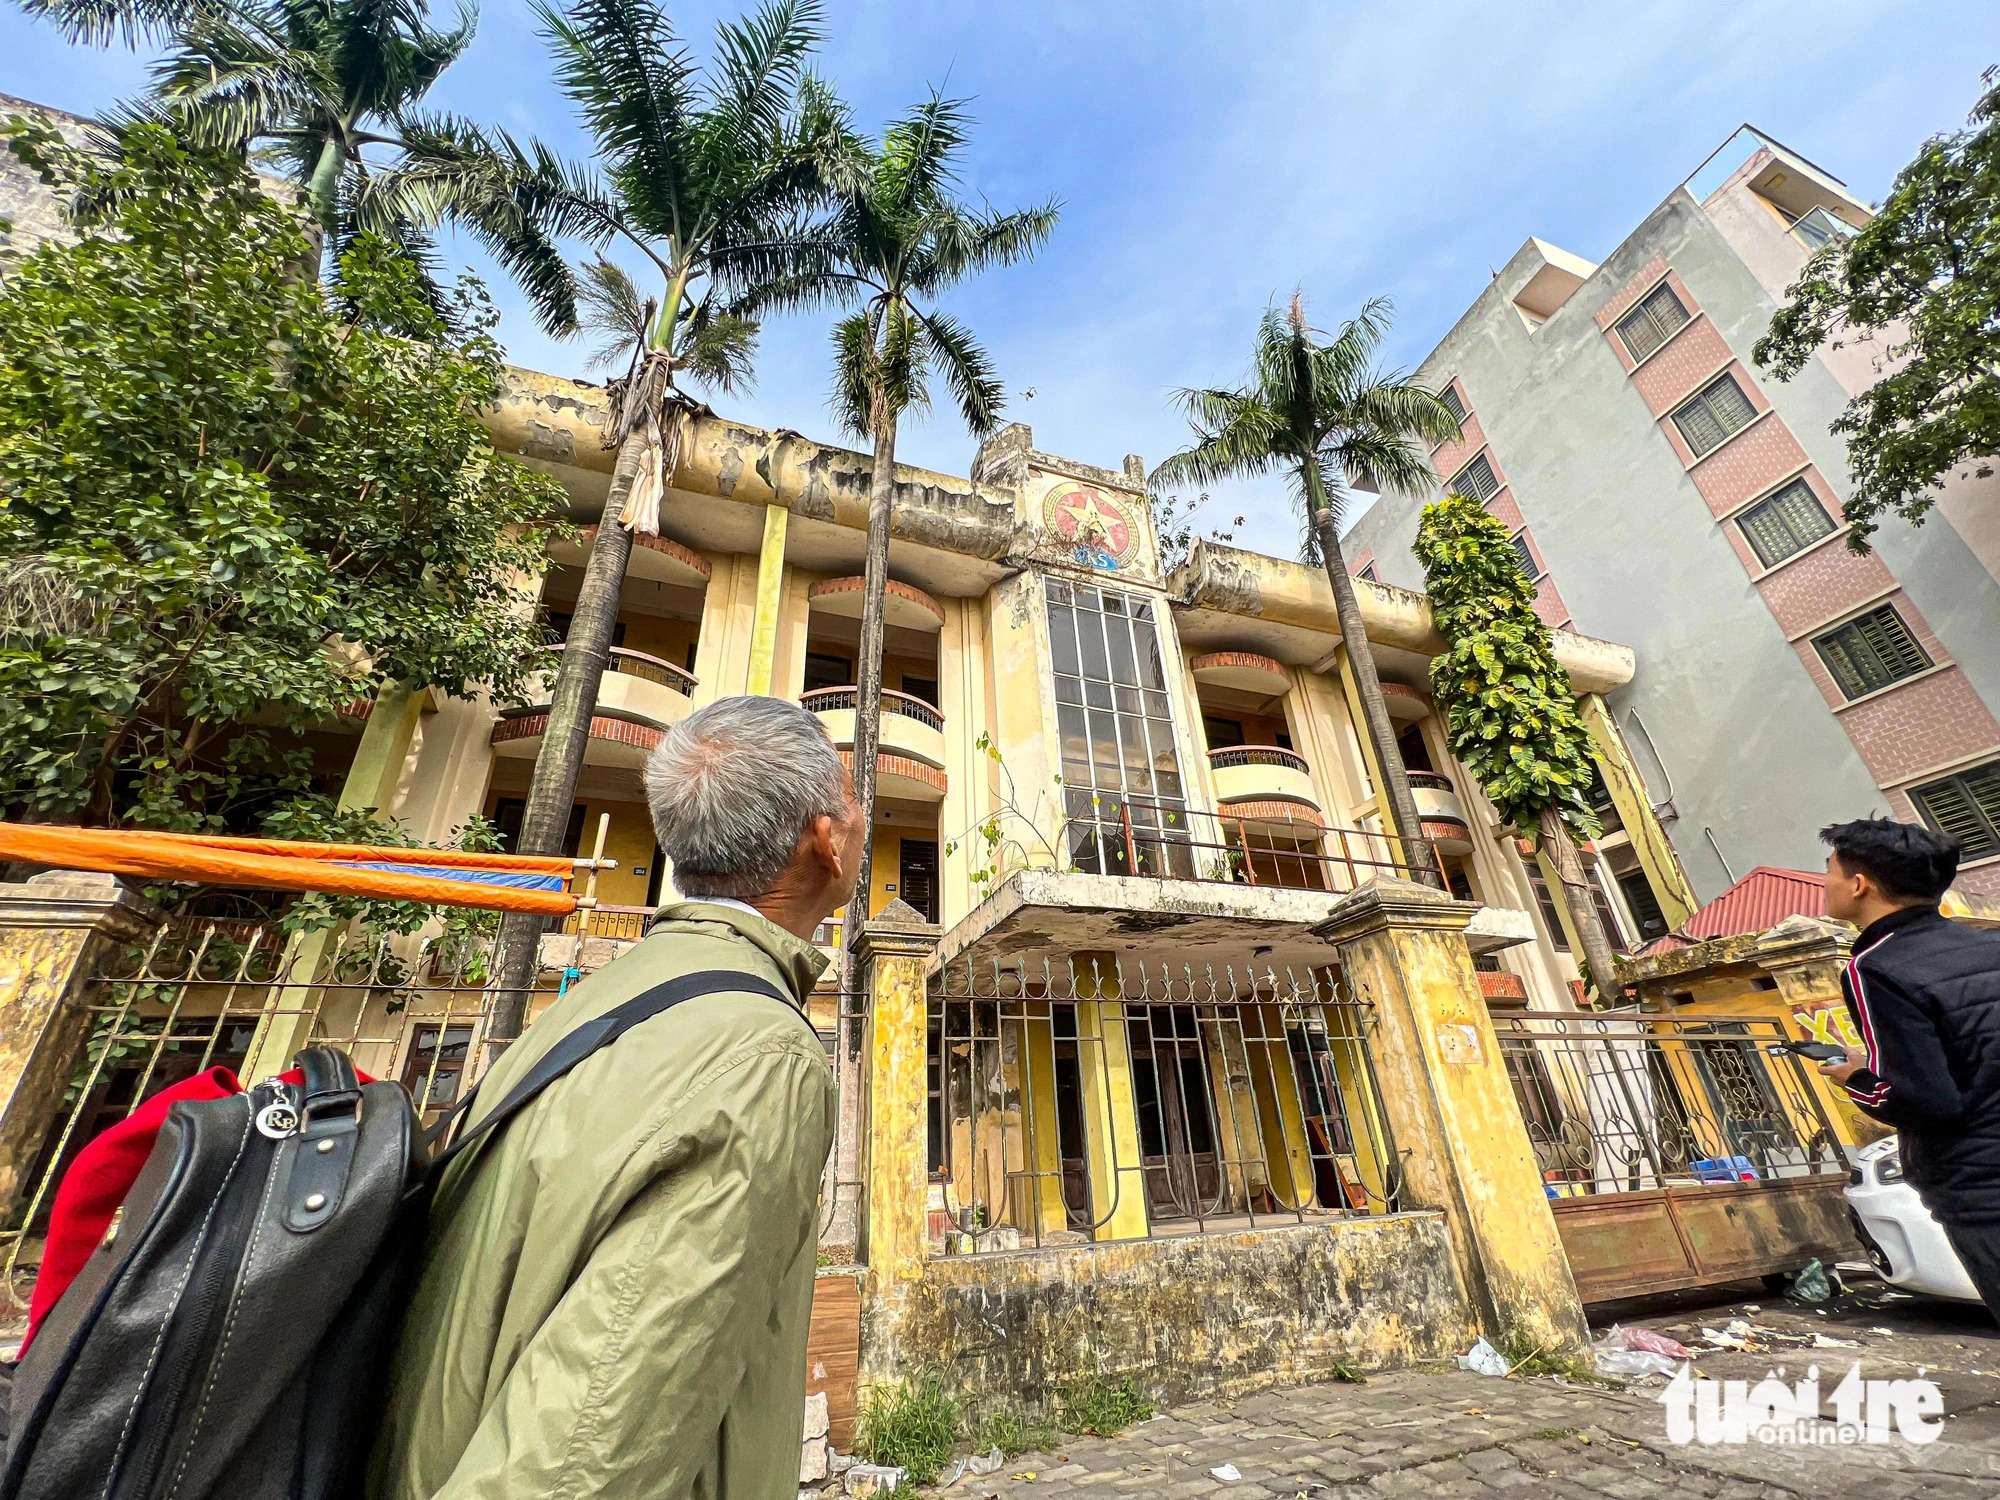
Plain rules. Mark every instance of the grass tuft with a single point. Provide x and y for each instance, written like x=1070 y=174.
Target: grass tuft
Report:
x=914 y=1427
x=1097 y=1407
x=1014 y=1432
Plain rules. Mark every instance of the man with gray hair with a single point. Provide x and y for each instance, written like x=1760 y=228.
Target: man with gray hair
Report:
x=616 y=1293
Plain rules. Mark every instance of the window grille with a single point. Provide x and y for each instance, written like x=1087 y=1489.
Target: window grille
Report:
x=1714 y=415
x=1476 y=480
x=1525 y=557
x=1965 y=806
x=1871 y=651
x=1451 y=402
x=1788 y=522
x=1657 y=318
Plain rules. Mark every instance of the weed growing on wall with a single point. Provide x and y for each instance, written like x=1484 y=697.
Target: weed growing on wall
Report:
x=912 y=1426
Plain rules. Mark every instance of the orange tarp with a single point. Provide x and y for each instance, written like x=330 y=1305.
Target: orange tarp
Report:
x=169 y=856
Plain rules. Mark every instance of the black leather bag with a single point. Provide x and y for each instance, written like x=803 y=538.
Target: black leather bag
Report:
x=230 y=1338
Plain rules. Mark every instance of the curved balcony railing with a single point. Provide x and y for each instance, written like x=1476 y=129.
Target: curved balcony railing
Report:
x=1258 y=755
x=828 y=700
x=1430 y=781
x=651 y=669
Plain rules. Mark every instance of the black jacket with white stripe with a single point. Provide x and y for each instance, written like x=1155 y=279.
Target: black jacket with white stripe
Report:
x=1925 y=996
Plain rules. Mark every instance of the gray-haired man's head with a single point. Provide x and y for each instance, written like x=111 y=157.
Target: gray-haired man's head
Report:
x=738 y=791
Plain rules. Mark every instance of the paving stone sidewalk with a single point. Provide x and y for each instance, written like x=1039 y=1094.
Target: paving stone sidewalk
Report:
x=1449 y=1433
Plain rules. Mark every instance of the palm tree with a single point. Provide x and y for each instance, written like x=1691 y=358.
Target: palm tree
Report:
x=316 y=83
x=1325 y=416
x=896 y=239
x=708 y=179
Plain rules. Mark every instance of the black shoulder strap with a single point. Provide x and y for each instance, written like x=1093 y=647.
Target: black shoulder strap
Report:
x=598 y=1032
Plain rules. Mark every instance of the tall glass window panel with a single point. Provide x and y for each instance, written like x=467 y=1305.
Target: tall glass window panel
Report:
x=1120 y=766
x=1715 y=415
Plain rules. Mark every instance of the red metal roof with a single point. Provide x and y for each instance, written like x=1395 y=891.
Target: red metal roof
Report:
x=1759 y=901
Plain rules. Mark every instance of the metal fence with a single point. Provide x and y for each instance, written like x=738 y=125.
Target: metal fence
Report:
x=1264 y=843
x=243 y=995
x=1620 y=1103
x=1066 y=1097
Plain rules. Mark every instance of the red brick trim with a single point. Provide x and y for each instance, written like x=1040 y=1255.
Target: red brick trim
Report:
x=1251 y=659
x=615 y=731
x=666 y=546
x=827 y=587
x=1271 y=812
x=1502 y=986
x=901 y=765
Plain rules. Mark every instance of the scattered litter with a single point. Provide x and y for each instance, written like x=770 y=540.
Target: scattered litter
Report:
x=1026 y=1476
x=1628 y=1353
x=1737 y=1328
x=1723 y=1340
x=873 y=1479
x=1751 y=1307
x=1227 y=1473
x=1811 y=1284
x=1885 y=1332
x=1821 y=1341
x=978 y=1463
x=1483 y=1359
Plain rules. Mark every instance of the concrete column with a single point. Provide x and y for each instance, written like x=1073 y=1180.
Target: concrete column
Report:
x=1457 y=1131
x=1352 y=696
x=893 y=952
x=770 y=595
x=1110 y=1117
x=53 y=929
x=1635 y=809
x=286 y=1025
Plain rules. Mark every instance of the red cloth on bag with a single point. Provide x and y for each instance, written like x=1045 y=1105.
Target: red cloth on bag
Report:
x=100 y=1177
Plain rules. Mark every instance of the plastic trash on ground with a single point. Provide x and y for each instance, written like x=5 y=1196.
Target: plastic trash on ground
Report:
x=1227 y=1473
x=1628 y=1353
x=1811 y=1284
x=1483 y=1359
x=872 y=1479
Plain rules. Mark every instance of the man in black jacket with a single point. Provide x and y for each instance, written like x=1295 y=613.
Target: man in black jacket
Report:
x=1925 y=996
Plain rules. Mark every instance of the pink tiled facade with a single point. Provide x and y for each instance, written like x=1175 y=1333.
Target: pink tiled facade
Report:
x=1681 y=366
x=1451 y=457
x=1903 y=733
x=1748 y=464
x=1820 y=584
x=1919 y=725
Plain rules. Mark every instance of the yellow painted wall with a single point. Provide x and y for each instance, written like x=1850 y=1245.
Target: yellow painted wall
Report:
x=629 y=841
x=656 y=635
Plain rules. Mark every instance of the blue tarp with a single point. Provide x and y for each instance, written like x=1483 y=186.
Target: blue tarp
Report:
x=519 y=880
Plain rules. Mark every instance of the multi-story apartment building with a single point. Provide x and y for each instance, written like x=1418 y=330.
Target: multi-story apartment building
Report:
x=1664 y=493
x=1053 y=701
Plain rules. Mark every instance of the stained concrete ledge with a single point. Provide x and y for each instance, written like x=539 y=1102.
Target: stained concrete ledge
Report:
x=1186 y=1317
x=1043 y=914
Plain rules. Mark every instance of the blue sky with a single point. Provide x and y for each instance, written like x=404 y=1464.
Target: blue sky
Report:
x=1213 y=156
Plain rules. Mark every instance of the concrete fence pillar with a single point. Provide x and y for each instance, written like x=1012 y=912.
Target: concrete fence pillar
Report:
x=53 y=929
x=1457 y=1130
x=893 y=953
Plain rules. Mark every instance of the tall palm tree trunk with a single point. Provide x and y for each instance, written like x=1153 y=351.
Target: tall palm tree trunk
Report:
x=1368 y=687
x=868 y=676
x=586 y=652
x=1597 y=954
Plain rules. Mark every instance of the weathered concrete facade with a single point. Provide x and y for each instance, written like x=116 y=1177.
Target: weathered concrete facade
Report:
x=1747 y=738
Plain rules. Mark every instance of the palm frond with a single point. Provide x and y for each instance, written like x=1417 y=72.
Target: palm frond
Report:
x=717 y=348
x=853 y=347
x=611 y=305
x=760 y=60
x=967 y=368
x=100 y=22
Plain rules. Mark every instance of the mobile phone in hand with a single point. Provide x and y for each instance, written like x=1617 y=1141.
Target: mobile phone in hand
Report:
x=1817 y=1051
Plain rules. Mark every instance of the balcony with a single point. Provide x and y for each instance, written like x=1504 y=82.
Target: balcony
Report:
x=1441 y=813
x=909 y=762
x=638 y=698
x=904 y=607
x=1244 y=671
x=656 y=559
x=1262 y=773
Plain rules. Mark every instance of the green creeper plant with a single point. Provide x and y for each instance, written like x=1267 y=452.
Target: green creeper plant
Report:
x=231 y=506
x=1509 y=713
x=1921 y=283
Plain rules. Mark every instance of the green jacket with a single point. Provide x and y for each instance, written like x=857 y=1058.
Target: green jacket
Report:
x=616 y=1293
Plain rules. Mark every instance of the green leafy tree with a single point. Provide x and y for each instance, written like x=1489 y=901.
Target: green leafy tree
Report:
x=707 y=177
x=1508 y=708
x=1324 y=416
x=314 y=84
x=227 y=510
x=895 y=240
x=1922 y=283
